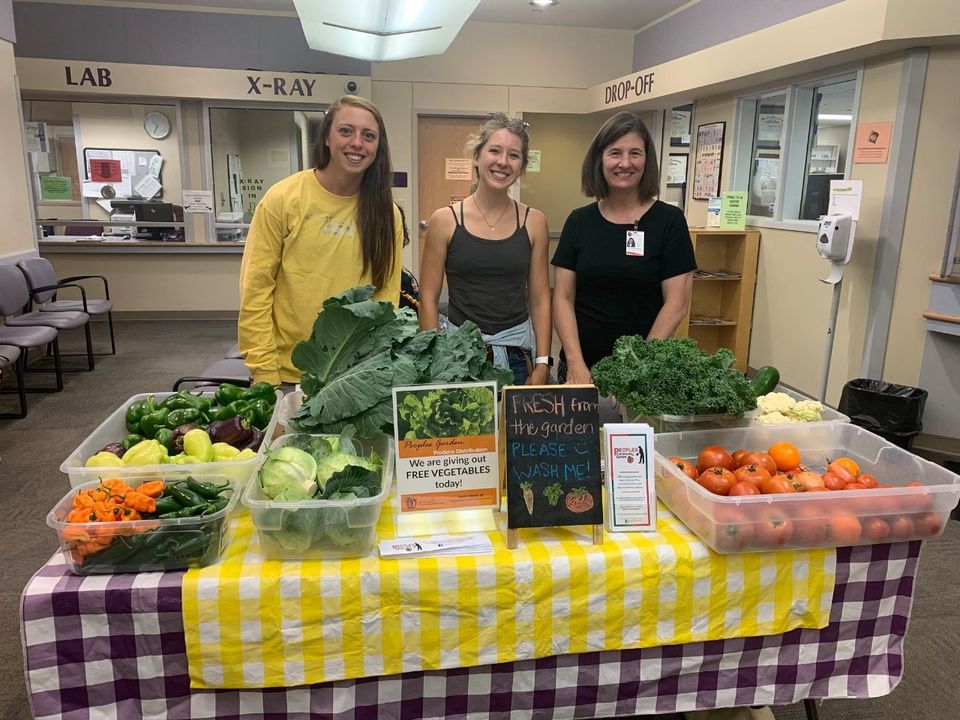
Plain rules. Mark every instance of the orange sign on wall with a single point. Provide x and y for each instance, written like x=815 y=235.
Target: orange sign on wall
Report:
x=872 y=144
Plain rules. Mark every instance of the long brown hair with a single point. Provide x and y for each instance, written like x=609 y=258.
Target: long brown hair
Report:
x=375 y=207
x=591 y=174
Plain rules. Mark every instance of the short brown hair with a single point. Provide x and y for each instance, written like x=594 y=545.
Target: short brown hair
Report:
x=375 y=206
x=591 y=174
x=498 y=121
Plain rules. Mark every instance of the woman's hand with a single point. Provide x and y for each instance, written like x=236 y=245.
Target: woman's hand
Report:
x=578 y=374
x=539 y=376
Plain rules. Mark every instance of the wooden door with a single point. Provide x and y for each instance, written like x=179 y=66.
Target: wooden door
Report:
x=67 y=150
x=440 y=138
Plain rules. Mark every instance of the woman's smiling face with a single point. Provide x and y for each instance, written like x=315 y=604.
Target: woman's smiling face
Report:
x=624 y=161
x=353 y=140
x=500 y=162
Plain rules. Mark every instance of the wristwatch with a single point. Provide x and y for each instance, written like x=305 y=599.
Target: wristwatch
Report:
x=543 y=360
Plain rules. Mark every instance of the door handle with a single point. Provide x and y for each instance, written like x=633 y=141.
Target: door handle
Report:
x=423 y=224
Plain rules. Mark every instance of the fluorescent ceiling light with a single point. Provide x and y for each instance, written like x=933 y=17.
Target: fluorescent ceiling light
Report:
x=543 y=3
x=828 y=116
x=383 y=29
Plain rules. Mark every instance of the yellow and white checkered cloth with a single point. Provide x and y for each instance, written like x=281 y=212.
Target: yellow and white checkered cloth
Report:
x=252 y=623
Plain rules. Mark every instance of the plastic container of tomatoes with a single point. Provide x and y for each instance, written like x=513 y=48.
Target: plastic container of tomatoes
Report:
x=813 y=519
x=679 y=423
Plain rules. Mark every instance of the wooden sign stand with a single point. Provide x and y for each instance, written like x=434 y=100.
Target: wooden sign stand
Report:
x=585 y=473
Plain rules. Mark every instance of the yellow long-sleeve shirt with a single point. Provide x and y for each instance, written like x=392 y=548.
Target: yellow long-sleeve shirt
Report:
x=303 y=247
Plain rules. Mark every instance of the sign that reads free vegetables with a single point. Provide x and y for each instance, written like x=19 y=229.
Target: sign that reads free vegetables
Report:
x=552 y=456
x=446 y=439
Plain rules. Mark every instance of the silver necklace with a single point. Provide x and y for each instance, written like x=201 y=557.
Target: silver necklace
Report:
x=483 y=215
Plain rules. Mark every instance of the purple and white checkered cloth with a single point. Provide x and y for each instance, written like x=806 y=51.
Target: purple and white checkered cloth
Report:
x=113 y=647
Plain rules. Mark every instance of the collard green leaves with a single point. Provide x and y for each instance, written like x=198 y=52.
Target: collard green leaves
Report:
x=360 y=349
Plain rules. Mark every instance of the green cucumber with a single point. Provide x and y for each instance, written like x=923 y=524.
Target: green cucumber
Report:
x=765 y=380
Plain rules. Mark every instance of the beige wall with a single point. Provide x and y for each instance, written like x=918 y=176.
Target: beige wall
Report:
x=18 y=234
x=120 y=126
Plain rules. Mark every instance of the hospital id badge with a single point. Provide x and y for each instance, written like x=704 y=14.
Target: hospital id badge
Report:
x=635 y=243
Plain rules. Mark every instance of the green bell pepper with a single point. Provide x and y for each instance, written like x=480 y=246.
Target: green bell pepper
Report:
x=183 y=416
x=149 y=424
x=183 y=400
x=260 y=391
x=135 y=413
x=164 y=436
x=227 y=394
x=132 y=439
x=262 y=412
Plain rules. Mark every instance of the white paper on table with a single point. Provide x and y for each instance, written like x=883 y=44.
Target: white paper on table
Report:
x=475 y=544
x=148 y=187
x=156 y=162
x=845 y=196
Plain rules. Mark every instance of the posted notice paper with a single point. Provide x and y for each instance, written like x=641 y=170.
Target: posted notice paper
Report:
x=630 y=480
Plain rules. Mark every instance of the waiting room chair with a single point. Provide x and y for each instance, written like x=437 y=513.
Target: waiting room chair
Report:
x=15 y=298
x=234 y=353
x=44 y=283
x=10 y=358
x=229 y=370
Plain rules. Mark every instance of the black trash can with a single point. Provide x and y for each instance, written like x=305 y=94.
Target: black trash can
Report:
x=894 y=412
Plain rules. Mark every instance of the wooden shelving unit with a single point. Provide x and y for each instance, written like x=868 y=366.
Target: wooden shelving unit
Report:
x=721 y=308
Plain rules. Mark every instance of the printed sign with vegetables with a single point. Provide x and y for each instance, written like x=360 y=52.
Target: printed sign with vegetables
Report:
x=552 y=456
x=446 y=446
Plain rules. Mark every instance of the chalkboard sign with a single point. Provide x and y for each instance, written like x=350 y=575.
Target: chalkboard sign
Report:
x=552 y=456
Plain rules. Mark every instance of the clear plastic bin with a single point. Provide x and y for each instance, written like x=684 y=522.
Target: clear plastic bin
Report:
x=823 y=519
x=358 y=517
x=679 y=423
x=145 y=545
x=288 y=407
x=114 y=429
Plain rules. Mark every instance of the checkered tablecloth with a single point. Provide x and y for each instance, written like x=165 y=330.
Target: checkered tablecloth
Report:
x=113 y=647
x=253 y=623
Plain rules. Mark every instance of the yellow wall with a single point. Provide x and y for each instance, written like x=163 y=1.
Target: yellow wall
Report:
x=18 y=231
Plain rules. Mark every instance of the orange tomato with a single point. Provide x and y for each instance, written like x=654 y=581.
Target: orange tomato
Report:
x=847 y=464
x=785 y=455
x=833 y=482
x=844 y=530
x=807 y=481
x=868 y=481
x=686 y=468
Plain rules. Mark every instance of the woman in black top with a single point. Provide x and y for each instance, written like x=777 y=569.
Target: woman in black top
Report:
x=493 y=251
x=624 y=264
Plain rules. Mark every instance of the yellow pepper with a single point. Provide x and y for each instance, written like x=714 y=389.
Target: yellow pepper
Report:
x=198 y=443
x=224 y=451
x=245 y=454
x=146 y=452
x=104 y=459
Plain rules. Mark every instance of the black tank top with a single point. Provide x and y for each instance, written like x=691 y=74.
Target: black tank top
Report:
x=487 y=279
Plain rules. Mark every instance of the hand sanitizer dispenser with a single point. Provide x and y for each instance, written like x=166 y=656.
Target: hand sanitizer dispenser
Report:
x=834 y=239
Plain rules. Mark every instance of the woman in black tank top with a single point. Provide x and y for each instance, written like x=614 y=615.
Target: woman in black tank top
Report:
x=493 y=252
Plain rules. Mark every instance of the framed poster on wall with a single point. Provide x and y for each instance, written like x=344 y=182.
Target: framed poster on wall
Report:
x=677 y=169
x=709 y=160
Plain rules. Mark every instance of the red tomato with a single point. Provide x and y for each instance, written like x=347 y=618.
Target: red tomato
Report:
x=717 y=480
x=738 y=456
x=844 y=530
x=876 y=529
x=928 y=524
x=809 y=527
x=712 y=456
x=917 y=501
x=855 y=486
x=807 y=481
x=902 y=527
x=752 y=474
x=868 y=481
x=737 y=537
x=785 y=455
x=763 y=460
x=744 y=487
x=776 y=485
x=773 y=533
x=833 y=482
x=686 y=468
x=816 y=489
x=841 y=471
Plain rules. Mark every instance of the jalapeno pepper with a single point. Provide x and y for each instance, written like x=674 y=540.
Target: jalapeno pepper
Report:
x=184 y=512
x=216 y=506
x=185 y=548
x=167 y=504
x=206 y=489
x=185 y=496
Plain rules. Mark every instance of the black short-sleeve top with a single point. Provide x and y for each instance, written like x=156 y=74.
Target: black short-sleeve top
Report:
x=619 y=293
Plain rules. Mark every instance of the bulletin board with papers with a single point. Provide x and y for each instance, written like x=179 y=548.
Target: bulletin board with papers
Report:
x=127 y=172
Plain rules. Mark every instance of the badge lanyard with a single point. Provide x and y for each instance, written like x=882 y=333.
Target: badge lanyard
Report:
x=634 y=242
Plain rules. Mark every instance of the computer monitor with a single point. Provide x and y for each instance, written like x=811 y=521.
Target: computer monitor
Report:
x=154 y=212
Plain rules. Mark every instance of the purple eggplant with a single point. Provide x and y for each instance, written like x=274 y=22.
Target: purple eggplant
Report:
x=236 y=431
x=256 y=437
x=115 y=448
x=178 y=434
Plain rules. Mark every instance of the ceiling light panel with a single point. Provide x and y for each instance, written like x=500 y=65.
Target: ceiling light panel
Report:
x=382 y=30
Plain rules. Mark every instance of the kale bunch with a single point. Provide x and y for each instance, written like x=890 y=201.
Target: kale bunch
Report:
x=673 y=377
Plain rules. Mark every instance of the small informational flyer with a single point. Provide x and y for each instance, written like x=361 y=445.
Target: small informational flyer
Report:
x=713 y=212
x=630 y=480
x=198 y=201
x=733 y=211
x=446 y=439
